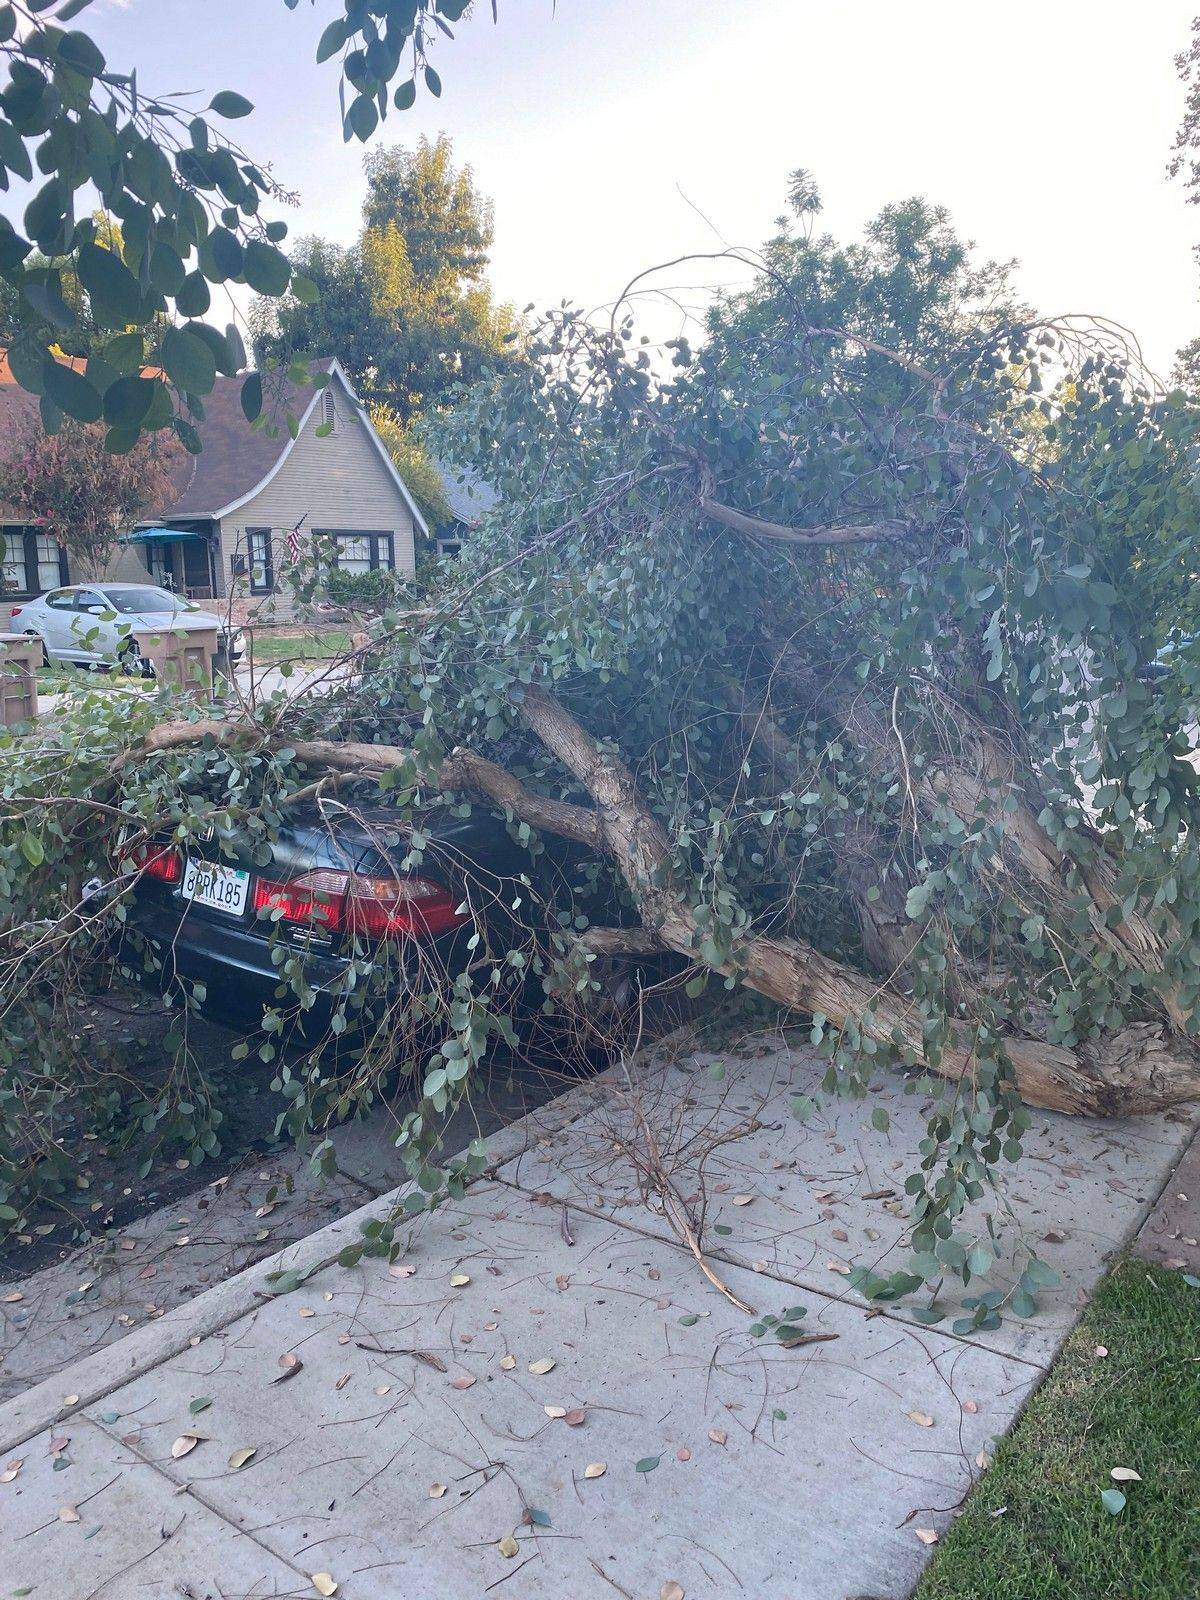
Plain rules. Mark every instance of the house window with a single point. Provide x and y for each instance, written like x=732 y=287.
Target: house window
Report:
x=49 y=563
x=262 y=565
x=362 y=552
x=31 y=562
x=13 y=564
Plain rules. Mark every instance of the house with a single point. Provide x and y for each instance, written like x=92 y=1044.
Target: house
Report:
x=469 y=497
x=237 y=510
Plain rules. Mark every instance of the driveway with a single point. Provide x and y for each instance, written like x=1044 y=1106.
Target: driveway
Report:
x=544 y=1391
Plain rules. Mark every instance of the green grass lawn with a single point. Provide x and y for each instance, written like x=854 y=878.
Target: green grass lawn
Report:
x=316 y=645
x=1138 y=1406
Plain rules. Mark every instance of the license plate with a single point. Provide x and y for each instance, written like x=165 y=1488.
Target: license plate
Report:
x=209 y=883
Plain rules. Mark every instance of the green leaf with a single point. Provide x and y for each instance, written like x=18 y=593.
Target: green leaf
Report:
x=405 y=96
x=265 y=268
x=224 y=355
x=538 y=1519
x=31 y=849
x=78 y=51
x=112 y=289
x=127 y=401
x=432 y=82
x=193 y=298
x=49 y=304
x=1023 y=1303
x=305 y=290
x=188 y=361
x=1113 y=1501
x=228 y=103
x=225 y=253
x=70 y=391
x=333 y=38
x=252 y=396
x=362 y=117
x=880 y=1120
x=197 y=1406
x=647 y=1464
x=46 y=214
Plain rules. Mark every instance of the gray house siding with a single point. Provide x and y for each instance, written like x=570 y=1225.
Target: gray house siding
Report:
x=338 y=482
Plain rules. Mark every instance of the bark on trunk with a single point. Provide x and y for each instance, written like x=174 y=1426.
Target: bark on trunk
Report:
x=970 y=783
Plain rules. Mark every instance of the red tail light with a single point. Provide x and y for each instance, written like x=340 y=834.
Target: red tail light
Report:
x=161 y=861
x=372 y=908
x=15 y=612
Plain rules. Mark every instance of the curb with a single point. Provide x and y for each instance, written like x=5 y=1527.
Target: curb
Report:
x=96 y=1376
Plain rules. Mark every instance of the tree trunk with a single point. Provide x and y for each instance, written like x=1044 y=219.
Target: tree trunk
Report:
x=1140 y=1070
x=971 y=782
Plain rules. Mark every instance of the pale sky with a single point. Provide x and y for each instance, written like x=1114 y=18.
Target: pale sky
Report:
x=607 y=131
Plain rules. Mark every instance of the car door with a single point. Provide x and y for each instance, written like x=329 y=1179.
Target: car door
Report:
x=57 y=614
x=93 y=627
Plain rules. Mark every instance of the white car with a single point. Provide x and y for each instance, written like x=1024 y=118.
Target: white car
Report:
x=94 y=624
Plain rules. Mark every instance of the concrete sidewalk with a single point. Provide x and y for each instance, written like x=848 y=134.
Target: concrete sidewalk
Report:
x=545 y=1397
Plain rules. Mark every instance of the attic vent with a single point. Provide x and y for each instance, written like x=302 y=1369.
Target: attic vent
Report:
x=329 y=416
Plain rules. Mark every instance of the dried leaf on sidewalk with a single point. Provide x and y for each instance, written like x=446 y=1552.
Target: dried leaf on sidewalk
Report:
x=671 y=1590
x=595 y=1469
x=436 y=1491
x=291 y=1365
x=324 y=1584
x=926 y=1535
x=68 y=1514
x=718 y=1435
x=464 y=1381
x=239 y=1458
x=508 y=1547
x=542 y=1366
x=507 y=1363
x=459 y=1280
x=185 y=1444
x=921 y=1418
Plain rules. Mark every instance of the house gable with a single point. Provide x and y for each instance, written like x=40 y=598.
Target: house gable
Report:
x=342 y=482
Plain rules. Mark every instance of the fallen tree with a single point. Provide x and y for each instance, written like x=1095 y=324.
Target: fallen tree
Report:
x=826 y=649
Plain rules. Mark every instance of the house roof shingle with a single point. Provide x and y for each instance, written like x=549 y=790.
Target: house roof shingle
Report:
x=235 y=458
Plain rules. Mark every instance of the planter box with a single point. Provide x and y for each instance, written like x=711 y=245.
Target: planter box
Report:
x=20 y=658
x=182 y=663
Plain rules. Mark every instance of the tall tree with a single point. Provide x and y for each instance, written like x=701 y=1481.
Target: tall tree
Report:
x=406 y=308
x=81 y=493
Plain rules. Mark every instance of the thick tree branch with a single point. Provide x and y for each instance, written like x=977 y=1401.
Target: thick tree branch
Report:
x=461 y=769
x=1140 y=1070
x=850 y=533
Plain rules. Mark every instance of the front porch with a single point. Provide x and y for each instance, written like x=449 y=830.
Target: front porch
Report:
x=184 y=559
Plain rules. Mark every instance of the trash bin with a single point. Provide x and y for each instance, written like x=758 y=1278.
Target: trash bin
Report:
x=20 y=658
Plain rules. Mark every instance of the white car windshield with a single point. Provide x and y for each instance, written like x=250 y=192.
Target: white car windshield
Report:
x=145 y=599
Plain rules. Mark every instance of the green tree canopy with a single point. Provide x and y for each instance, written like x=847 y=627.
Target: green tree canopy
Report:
x=406 y=308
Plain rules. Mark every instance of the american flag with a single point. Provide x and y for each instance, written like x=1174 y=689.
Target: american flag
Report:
x=293 y=542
